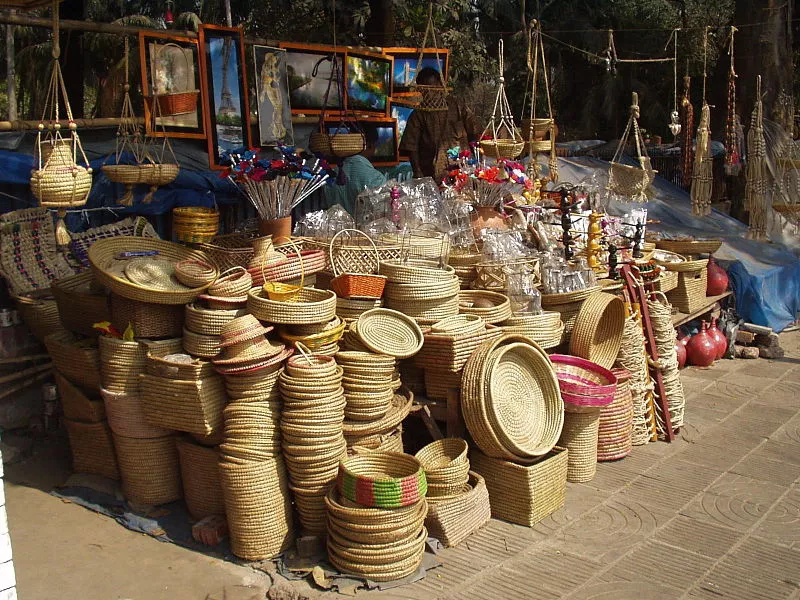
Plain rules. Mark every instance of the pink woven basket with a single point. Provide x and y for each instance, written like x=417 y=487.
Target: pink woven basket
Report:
x=582 y=382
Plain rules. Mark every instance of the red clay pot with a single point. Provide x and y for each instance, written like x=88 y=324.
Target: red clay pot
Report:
x=701 y=351
x=717 y=279
x=680 y=351
x=719 y=339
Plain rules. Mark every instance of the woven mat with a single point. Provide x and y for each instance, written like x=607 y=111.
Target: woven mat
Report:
x=78 y=254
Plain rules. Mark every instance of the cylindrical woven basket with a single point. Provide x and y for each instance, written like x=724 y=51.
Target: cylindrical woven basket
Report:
x=77 y=360
x=92 y=448
x=148 y=320
x=615 y=428
x=126 y=417
x=195 y=273
x=194 y=224
x=191 y=406
x=312 y=306
x=382 y=480
x=205 y=321
x=579 y=437
x=150 y=469
x=232 y=283
x=121 y=363
x=80 y=306
x=200 y=476
x=204 y=346
x=546 y=329
x=77 y=406
x=597 y=333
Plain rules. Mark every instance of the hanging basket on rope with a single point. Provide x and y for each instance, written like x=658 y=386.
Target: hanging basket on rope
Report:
x=631 y=181
x=347 y=138
x=429 y=97
x=541 y=131
x=58 y=181
x=146 y=169
x=501 y=137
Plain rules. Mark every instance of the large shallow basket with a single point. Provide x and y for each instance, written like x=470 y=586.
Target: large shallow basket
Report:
x=102 y=256
x=597 y=333
x=382 y=480
x=80 y=305
x=311 y=306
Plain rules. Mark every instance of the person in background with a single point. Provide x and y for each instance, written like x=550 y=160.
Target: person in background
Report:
x=359 y=175
x=430 y=134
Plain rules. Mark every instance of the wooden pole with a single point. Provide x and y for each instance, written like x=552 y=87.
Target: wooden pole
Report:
x=11 y=72
x=23 y=359
x=26 y=372
x=21 y=386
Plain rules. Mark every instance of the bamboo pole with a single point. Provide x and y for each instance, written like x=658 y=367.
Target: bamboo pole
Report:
x=28 y=382
x=22 y=359
x=25 y=372
x=82 y=123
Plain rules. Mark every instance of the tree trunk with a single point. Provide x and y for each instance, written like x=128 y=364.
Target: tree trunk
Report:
x=11 y=73
x=380 y=26
x=72 y=63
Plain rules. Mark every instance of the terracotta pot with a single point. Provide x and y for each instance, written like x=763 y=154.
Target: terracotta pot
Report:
x=277 y=228
x=485 y=217
x=680 y=351
x=717 y=279
x=719 y=339
x=701 y=351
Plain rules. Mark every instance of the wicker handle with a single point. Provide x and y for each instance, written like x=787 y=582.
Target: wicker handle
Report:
x=189 y=84
x=304 y=352
x=231 y=271
x=299 y=257
x=351 y=231
x=658 y=294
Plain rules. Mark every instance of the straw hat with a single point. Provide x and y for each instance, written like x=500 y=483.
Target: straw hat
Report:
x=242 y=329
x=251 y=367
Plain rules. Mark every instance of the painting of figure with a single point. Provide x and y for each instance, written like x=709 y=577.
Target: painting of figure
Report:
x=272 y=90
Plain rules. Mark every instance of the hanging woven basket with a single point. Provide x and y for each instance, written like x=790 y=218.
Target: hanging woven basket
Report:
x=627 y=180
x=501 y=137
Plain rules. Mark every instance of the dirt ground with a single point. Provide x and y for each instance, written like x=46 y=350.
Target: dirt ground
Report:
x=714 y=515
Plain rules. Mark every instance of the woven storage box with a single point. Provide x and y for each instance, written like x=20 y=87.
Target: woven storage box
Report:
x=200 y=476
x=147 y=319
x=524 y=494
x=126 y=416
x=40 y=314
x=92 y=448
x=196 y=370
x=77 y=360
x=149 y=468
x=690 y=247
x=190 y=406
x=452 y=520
x=121 y=363
x=445 y=352
x=258 y=506
x=439 y=383
x=666 y=282
x=77 y=405
x=690 y=295
x=79 y=305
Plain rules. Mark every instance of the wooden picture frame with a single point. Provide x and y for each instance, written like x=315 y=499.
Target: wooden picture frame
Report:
x=368 y=82
x=170 y=65
x=272 y=96
x=224 y=77
x=405 y=65
x=386 y=150
x=306 y=89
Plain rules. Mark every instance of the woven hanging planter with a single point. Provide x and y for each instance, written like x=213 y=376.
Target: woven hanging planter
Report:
x=430 y=97
x=501 y=137
x=629 y=181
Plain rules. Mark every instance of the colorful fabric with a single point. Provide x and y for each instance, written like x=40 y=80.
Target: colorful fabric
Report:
x=360 y=175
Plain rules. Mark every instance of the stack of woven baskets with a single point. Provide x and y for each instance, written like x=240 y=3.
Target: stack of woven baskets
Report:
x=77 y=366
x=146 y=452
x=252 y=472
x=513 y=410
x=464 y=264
x=458 y=501
x=376 y=515
x=421 y=289
x=493 y=307
x=320 y=338
x=546 y=329
x=616 y=422
x=369 y=383
x=311 y=424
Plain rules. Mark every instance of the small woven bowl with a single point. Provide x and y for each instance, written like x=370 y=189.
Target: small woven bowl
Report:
x=194 y=273
x=442 y=453
x=382 y=480
x=233 y=283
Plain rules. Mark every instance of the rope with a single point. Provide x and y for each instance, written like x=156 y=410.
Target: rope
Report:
x=536 y=44
x=632 y=357
x=705 y=61
x=665 y=335
x=755 y=195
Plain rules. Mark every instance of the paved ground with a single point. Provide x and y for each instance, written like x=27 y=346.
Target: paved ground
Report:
x=714 y=515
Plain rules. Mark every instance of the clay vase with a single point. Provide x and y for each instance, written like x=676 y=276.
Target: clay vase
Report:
x=717 y=279
x=719 y=339
x=701 y=351
x=680 y=351
x=486 y=217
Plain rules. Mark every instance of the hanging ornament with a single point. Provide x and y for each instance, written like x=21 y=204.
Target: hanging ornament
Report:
x=687 y=129
x=702 y=174
x=59 y=182
x=674 y=117
x=168 y=19
x=733 y=156
x=501 y=137
x=628 y=181
x=755 y=191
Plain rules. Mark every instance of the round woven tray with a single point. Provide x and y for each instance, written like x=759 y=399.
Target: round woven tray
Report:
x=311 y=306
x=389 y=332
x=597 y=333
x=497 y=313
x=107 y=268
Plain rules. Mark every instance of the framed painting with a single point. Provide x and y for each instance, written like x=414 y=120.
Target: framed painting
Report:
x=272 y=97
x=400 y=113
x=310 y=71
x=172 y=85
x=368 y=81
x=406 y=61
x=227 y=110
x=380 y=133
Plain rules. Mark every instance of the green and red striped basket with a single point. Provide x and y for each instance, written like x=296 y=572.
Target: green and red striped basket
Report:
x=382 y=480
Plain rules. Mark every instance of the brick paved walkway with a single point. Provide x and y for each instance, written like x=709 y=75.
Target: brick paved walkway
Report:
x=714 y=515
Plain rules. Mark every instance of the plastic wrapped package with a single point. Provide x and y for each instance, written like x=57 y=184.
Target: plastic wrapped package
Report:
x=503 y=245
x=324 y=224
x=522 y=292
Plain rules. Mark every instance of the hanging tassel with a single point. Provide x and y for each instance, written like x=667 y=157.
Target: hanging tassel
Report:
x=148 y=198
x=127 y=197
x=687 y=130
x=702 y=180
x=553 y=164
x=63 y=237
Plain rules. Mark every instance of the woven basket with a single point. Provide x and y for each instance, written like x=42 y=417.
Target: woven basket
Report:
x=258 y=507
x=616 y=422
x=439 y=383
x=443 y=352
x=687 y=265
x=233 y=283
x=453 y=520
x=230 y=250
x=582 y=382
x=191 y=406
x=597 y=333
x=666 y=282
x=200 y=476
x=389 y=332
x=92 y=448
x=524 y=494
x=40 y=315
x=205 y=321
x=690 y=247
x=348 y=282
x=126 y=416
x=546 y=329
x=630 y=181
x=204 y=346
x=690 y=294
x=579 y=437
x=76 y=405
x=196 y=370
x=312 y=306
x=77 y=360
x=195 y=224
x=102 y=256
x=416 y=271
x=79 y=305
x=121 y=363
x=195 y=273
x=149 y=468
x=493 y=276
x=382 y=480
x=148 y=320
x=499 y=312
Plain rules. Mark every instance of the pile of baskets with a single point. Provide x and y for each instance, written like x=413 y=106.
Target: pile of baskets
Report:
x=369 y=381
x=311 y=426
x=194 y=224
x=615 y=427
x=546 y=329
x=421 y=289
x=568 y=304
x=376 y=516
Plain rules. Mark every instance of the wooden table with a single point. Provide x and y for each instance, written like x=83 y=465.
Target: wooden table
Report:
x=681 y=318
